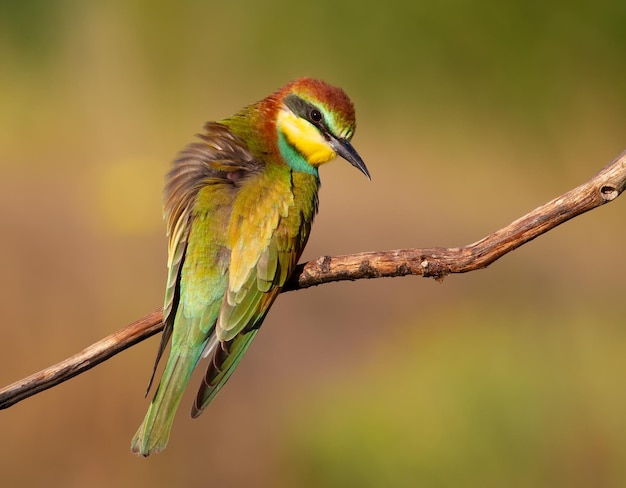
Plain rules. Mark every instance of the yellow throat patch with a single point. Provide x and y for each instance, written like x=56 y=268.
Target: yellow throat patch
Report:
x=305 y=137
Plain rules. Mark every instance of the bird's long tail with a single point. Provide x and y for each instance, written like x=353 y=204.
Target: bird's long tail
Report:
x=154 y=432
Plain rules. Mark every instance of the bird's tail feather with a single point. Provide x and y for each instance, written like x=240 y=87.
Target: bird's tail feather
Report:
x=154 y=432
x=226 y=356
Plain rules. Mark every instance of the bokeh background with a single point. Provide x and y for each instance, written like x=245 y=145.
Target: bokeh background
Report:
x=470 y=114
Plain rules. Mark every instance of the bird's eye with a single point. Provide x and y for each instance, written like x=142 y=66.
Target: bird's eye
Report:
x=315 y=115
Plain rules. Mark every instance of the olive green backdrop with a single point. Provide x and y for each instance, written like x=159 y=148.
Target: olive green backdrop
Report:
x=470 y=114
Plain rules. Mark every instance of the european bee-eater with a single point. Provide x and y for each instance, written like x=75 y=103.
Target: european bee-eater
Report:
x=239 y=205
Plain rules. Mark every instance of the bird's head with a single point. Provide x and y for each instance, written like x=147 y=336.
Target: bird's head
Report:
x=315 y=123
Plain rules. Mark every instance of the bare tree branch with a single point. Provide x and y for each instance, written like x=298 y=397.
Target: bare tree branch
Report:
x=434 y=262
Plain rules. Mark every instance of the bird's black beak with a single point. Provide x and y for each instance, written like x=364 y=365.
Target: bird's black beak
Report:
x=347 y=152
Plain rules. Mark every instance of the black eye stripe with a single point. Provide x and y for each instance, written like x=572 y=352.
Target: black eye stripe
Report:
x=307 y=111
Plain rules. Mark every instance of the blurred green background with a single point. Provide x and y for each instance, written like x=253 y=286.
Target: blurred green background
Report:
x=470 y=114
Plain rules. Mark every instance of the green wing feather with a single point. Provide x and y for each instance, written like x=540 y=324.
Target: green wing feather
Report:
x=198 y=197
x=236 y=231
x=269 y=266
x=220 y=158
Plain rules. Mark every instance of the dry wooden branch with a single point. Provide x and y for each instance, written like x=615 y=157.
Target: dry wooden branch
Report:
x=602 y=188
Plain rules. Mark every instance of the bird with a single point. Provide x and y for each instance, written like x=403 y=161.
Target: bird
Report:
x=238 y=205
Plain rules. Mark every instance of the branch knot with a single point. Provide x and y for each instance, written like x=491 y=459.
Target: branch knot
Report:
x=609 y=193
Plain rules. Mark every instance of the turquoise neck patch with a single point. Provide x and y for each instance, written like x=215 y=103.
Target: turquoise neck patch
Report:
x=294 y=159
